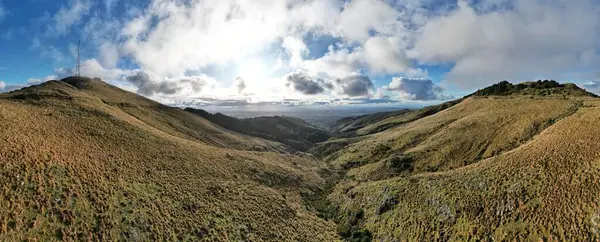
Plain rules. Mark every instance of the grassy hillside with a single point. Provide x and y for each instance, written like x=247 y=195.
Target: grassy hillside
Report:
x=82 y=160
x=537 y=88
x=291 y=131
x=488 y=168
x=347 y=126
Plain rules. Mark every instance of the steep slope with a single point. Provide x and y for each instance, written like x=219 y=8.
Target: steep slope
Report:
x=547 y=189
x=291 y=131
x=82 y=160
x=488 y=168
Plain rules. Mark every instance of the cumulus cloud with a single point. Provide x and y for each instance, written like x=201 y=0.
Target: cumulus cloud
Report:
x=361 y=19
x=416 y=89
x=304 y=83
x=336 y=62
x=527 y=40
x=383 y=55
x=355 y=85
x=149 y=83
x=480 y=41
x=195 y=34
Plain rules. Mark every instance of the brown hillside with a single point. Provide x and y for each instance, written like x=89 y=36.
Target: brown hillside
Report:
x=546 y=189
x=83 y=160
x=486 y=169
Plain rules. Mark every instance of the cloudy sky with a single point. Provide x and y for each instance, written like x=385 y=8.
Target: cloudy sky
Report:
x=306 y=51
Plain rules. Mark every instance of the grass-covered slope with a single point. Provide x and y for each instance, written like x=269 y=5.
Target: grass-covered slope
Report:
x=546 y=189
x=493 y=168
x=82 y=160
x=291 y=131
x=346 y=127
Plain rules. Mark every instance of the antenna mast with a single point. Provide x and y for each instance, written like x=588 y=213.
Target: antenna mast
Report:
x=78 y=71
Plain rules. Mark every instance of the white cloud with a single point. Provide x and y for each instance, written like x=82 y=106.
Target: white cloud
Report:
x=383 y=55
x=193 y=35
x=530 y=40
x=109 y=55
x=68 y=15
x=592 y=86
x=9 y=87
x=35 y=81
x=296 y=50
x=362 y=17
x=93 y=68
x=416 y=89
x=336 y=63
x=263 y=40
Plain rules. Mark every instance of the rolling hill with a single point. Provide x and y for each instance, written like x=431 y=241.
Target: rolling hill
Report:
x=291 y=131
x=515 y=167
x=84 y=160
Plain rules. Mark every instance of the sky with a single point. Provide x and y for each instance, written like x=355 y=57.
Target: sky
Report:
x=240 y=52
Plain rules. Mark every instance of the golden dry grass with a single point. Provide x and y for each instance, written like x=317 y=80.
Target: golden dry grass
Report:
x=90 y=164
x=545 y=189
x=475 y=129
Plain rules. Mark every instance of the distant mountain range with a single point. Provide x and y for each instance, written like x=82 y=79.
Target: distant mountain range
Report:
x=84 y=160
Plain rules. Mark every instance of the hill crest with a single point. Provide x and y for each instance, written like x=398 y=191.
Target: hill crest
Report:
x=534 y=88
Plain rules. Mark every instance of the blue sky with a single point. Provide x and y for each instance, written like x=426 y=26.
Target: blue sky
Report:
x=252 y=51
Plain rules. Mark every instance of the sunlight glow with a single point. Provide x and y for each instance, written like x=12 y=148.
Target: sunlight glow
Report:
x=253 y=70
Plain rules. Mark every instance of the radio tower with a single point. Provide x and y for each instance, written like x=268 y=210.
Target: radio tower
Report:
x=78 y=68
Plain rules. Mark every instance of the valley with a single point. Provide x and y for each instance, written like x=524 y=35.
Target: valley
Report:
x=85 y=160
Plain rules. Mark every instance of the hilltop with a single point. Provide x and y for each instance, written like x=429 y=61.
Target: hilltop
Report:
x=538 y=88
x=84 y=160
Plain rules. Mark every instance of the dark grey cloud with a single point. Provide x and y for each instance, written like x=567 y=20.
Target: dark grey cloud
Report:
x=355 y=86
x=304 y=83
x=150 y=84
x=240 y=84
x=416 y=89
